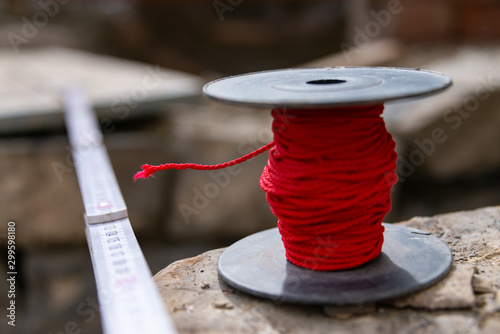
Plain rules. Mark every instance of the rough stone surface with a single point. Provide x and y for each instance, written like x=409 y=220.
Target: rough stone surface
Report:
x=454 y=292
x=466 y=301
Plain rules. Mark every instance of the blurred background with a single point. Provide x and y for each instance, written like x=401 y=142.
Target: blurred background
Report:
x=143 y=63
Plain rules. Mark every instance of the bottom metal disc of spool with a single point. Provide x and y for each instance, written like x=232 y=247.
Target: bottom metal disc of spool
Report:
x=411 y=260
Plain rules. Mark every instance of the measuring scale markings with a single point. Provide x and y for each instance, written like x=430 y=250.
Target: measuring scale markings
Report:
x=128 y=298
x=123 y=281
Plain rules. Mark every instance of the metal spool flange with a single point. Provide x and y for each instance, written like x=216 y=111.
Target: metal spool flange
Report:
x=411 y=260
x=329 y=86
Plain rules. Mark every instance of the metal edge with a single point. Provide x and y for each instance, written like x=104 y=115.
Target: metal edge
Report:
x=309 y=106
x=280 y=299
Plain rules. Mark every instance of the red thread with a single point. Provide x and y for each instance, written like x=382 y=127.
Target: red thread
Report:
x=328 y=180
x=148 y=170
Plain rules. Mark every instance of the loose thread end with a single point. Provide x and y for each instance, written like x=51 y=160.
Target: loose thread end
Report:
x=144 y=173
x=148 y=170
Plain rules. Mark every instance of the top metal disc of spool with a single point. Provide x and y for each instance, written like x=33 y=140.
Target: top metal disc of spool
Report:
x=329 y=86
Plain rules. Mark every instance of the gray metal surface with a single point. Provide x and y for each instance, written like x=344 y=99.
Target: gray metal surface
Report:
x=329 y=86
x=411 y=260
x=128 y=300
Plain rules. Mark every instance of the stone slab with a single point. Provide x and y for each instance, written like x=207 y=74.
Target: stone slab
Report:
x=454 y=292
x=199 y=301
x=31 y=81
x=440 y=135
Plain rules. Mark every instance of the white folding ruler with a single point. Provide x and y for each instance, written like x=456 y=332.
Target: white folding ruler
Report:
x=128 y=299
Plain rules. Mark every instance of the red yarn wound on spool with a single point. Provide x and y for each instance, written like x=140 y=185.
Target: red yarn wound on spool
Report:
x=328 y=180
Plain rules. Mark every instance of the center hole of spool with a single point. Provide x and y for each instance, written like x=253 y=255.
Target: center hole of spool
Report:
x=325 y=82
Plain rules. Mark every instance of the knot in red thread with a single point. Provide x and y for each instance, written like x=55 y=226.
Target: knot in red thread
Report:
x=328 y=180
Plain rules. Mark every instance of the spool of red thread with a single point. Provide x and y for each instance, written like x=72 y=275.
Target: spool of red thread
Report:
x=328 y=180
